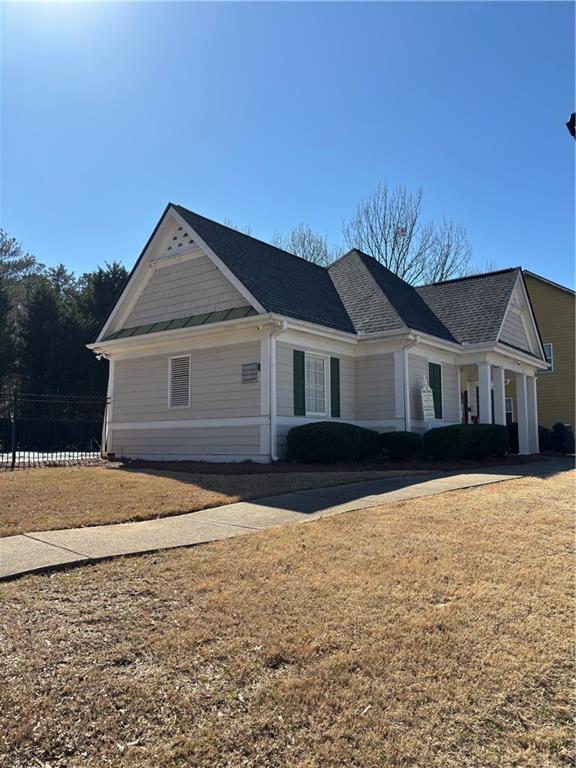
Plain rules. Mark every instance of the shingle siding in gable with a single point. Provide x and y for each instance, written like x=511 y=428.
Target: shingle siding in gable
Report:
x=513 y=332
x=188 y=288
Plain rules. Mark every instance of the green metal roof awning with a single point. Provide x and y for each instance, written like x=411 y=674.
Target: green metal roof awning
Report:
x=183 y=322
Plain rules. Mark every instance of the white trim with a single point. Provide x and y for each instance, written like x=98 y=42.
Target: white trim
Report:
x=167 y=261
x=220 y=458
x=132 y=286
x=240 y=287
x=176 y=357
x=147 y=342
x=534 y=334
x=105 y=448
x=327 y=404
x=550 y=368
x=238 y=421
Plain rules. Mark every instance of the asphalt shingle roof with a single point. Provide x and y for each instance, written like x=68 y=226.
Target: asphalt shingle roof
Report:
x=356 y=293
x=280 y=281
x=472 y=308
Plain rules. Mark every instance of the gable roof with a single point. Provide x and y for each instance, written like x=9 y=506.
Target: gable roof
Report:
x=281 y=282
x=378 y=300
x=472 y=307
x=355 y=294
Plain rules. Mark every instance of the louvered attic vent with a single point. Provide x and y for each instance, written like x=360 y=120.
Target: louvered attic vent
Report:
x=180 y=381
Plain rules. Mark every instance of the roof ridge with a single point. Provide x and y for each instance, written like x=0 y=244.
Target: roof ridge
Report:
x=250 y=237
x=474 y=276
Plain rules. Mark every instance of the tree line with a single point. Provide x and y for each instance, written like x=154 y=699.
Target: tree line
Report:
x=48 y=315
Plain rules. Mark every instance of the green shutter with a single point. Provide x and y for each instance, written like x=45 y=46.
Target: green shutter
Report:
x=299 y=386
x=435 y=379
x=335 y=386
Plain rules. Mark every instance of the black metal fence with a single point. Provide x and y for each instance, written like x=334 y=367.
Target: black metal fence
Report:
x=49 y=430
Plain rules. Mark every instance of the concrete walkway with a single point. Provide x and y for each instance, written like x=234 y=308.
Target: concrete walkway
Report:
x=49 y=549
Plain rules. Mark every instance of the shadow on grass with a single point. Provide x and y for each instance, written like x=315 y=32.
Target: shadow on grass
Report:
x=217 y=478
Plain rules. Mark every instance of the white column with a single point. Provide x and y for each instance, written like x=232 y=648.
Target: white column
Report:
x=522 y=408
x=499 y=395
x=484 y=396
x=407 y=414
x=532 y=401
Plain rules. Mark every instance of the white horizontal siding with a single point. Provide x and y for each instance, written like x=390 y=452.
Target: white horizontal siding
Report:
x=417 y=371
x=172 y=443
x=375 y=387
x=188 y=288
x=216 y=388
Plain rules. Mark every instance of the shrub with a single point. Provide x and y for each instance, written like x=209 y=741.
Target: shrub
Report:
x=330 y=441
x=544 y=438
x=466 y=441
x=400 y=445
x=562 y=438
x=513 y=445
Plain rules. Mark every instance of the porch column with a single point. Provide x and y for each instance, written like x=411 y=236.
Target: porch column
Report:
x=532 y=401
x=484 y=394
x=499 y=396
x=522 y=408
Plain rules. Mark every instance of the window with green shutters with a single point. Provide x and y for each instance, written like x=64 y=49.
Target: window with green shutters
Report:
x=435 y=381
x=311 y=384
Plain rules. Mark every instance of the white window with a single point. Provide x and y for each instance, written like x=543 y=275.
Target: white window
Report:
x=509 y=414
x=315 y=385
x=549 y=355
x=179 y=381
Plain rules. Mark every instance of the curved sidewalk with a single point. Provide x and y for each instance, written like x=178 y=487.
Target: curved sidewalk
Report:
x=38 y=551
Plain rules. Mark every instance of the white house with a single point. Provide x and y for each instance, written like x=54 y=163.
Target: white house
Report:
x=220 y=343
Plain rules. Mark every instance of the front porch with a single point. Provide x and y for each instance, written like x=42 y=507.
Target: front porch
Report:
x=483 y=396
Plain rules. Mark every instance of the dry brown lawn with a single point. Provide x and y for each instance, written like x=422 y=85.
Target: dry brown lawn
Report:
x=435 y=632
x=67 y=497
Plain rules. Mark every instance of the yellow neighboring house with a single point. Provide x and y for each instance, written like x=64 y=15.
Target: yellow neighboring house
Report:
x=555 y=310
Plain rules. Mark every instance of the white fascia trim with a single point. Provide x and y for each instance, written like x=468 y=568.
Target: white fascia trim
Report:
x=218 y=263
x=535 y=334
x=130 y=293
x=239 y=421
x=167 y=261
x=146 y=341
x=317 y=330
x=502 y=350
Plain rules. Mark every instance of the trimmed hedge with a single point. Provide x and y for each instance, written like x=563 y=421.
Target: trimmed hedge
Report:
x=544 y=438
x=329 y=441
x=400 y=445
x=466 y=441
x=562 y=438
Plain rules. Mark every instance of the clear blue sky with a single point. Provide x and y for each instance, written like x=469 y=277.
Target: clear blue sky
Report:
x=272 y=114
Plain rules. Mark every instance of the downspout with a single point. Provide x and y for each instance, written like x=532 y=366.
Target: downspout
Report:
x=412 y=341
x=281 y=327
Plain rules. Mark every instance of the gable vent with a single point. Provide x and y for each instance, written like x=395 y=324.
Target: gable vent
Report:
x=179 y=381
x=181 y=240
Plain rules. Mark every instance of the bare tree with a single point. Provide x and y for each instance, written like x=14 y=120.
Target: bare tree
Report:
x=304 y=242
x=388 y=226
